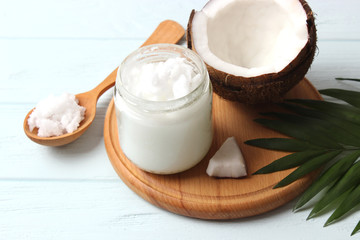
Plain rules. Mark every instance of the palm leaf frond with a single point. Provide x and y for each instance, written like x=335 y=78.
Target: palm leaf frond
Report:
x=322 y=134
x=350 y=79
x=352 y=200
x=299 y=131
x=331 y=175
x=348 y=181
x=282 y=144
x=351 y=97
x=308 y=167
x=290 y=161
x=345 y=112
x=356 y=229
x=347 y=126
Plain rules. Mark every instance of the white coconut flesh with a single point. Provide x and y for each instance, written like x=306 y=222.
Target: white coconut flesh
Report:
x=249 y=38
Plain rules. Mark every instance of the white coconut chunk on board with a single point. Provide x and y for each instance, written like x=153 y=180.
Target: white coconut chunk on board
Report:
x=228 y=161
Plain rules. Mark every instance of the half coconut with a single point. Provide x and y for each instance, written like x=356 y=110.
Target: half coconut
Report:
x=255 y=50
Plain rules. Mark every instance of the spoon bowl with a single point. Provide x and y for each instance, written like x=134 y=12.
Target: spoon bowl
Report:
x=168 y=31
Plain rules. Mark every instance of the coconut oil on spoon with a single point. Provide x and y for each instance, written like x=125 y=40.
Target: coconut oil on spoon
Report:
x=168 y=31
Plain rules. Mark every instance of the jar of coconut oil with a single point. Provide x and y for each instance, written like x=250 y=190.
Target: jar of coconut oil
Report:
x=163 y=99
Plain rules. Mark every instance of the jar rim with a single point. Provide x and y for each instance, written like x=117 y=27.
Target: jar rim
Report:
x=163 y=105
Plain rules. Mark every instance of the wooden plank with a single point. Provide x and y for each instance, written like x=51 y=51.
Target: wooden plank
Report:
x=56 y=66
x=335 y=59
x=336 y=20
x=73 y=192
x=135 y=19
x=43 y=63
x=48 y=209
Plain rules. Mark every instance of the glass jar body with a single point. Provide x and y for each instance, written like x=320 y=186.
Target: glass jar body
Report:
x=167 y=136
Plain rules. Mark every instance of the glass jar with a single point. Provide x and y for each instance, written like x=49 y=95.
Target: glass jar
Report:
x=164 y=137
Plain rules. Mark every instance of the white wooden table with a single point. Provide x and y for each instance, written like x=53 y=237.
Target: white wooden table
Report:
x=72 y=192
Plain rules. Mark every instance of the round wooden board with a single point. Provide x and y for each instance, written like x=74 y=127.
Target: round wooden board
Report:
x=193 y=193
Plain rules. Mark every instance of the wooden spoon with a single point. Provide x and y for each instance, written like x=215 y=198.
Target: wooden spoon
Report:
x=167 y=32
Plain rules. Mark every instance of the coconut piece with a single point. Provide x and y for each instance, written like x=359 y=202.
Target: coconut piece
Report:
x=228 y=161
x=255 y=51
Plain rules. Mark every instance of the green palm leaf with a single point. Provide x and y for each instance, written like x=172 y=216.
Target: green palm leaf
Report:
x=356 y=229
x=352 y=200
x=331 y=175
x=338 y=110
x=321 y=132
x=337 y=134
x=350 y=97
x=351 y=79
x=347 y=126
x=349 y=180
x=300 y=131
x=282 y=144
x=290 y=161
x=308 y=167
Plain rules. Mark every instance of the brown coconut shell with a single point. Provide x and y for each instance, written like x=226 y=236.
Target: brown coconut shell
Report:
x=267 y=87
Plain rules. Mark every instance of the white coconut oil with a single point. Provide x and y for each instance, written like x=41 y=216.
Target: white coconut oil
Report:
x=163 y=100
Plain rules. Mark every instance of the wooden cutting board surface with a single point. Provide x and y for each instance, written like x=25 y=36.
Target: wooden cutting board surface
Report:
x=193 y=193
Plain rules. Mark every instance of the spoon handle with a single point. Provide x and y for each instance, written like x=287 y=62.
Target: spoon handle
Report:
x=168 y=31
